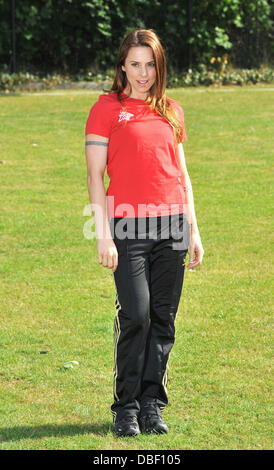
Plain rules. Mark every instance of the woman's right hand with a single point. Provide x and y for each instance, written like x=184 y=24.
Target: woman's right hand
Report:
x=107 y=253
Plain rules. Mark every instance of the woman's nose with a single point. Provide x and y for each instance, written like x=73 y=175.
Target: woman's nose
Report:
x=144 y=72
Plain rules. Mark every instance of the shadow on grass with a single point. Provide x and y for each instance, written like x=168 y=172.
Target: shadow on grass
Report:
x=16 y=433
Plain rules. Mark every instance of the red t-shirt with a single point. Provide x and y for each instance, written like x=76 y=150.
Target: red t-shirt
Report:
x=145 y=179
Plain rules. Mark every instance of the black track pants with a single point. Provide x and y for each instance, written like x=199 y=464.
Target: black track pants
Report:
x=149 y=281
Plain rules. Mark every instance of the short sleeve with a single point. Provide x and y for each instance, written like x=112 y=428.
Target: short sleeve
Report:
x=182 y=119
x=181 y=114
x=99 y=119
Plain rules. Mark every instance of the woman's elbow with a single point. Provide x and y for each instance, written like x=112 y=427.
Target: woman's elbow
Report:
x=94 y=178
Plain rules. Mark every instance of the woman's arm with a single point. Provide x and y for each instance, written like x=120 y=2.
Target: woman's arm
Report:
x=96 y=158
x=195 y=240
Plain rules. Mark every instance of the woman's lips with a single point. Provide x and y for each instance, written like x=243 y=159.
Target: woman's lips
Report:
x=142 y=84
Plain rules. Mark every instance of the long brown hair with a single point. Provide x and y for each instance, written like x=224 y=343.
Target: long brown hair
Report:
x=157 y=99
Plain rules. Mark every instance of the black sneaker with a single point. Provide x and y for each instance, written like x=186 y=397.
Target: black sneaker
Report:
x=126 y=426
x=151 y=420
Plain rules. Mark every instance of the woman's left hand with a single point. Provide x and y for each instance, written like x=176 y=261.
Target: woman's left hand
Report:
x=195 y=248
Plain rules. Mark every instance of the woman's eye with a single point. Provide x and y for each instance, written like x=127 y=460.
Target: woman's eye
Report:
x=151 y=65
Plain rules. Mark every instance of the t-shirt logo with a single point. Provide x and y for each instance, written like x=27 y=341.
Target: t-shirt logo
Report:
x=124 y=116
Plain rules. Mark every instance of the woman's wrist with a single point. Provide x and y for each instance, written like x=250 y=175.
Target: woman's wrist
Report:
x=194 y=229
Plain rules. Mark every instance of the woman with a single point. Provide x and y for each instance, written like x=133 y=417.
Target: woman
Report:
x=145 y=224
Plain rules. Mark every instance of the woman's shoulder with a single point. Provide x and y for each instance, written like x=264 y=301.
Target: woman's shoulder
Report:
x=177 y=106
x=106 y=103
x=107 y=99
x=174 y=102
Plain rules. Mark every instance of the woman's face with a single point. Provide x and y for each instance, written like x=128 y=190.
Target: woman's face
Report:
x=140 y=71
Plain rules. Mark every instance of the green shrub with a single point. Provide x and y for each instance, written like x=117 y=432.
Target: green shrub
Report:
x=191 y=77
x=202 y=76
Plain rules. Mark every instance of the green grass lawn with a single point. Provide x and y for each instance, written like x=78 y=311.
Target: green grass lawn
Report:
x=56 y=297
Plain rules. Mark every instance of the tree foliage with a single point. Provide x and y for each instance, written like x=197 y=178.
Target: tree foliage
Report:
x=74 y=35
